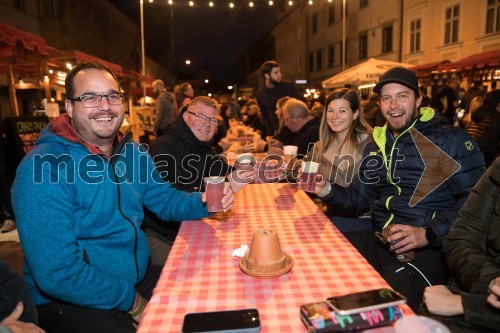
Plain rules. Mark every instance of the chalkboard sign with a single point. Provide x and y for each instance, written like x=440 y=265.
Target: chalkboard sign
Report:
x=22 y=132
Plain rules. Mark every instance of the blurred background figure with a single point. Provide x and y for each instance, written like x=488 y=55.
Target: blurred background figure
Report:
x=446 y=99
x=317 y=110
x=165 y=107
x=485 y=126
x=371 y=111
x=184 y=93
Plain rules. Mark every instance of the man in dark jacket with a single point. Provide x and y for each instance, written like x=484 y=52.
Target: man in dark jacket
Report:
x=184 y=156
x=298 y=120
x=415 y=176
x=273 y=90
x=471 y=303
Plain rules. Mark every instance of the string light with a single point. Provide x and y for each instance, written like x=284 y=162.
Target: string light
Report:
x=290 y=3
x=211 y=4
x=191 y=3
x=250 y=4
x=170 y=2
x=150 y=1
x=231 y=5
x=271 y=3
x=311 y=2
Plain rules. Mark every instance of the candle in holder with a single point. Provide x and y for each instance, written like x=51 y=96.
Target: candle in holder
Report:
x=309 y=172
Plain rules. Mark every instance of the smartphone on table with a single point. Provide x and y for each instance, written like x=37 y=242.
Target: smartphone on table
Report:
x=366 y=301
x=231 y=321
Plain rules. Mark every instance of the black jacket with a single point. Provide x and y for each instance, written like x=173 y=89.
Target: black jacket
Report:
x=184 y=161
x=306 y=137
x=472 y=250
x=267 y=98
x=485 y=129
x=392 y=169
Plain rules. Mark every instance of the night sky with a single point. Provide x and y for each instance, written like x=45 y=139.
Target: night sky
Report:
x=207 y=36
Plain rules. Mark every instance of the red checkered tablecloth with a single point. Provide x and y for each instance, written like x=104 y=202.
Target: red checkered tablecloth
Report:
x=201 y=275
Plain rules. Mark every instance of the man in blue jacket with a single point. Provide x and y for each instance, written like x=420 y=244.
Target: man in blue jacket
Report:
x=78 y=198
x=415 y=176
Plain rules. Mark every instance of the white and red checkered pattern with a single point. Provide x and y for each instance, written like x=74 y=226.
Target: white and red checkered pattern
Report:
x=201 y=275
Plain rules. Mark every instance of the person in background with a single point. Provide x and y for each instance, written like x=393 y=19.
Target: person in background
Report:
x=426 y=100
x=184 y=93
x=317 y=110
x=485 y=126
x=283 y=136
x=343 y=135
x=473 y=106
x=86 y=258
x=448 y=93
x=471 y=301
x=165 y=107
x=184 y=156
x=411 y=224
x=274 y=88
x=17 y=310
x=371 y=112
x=297 y=118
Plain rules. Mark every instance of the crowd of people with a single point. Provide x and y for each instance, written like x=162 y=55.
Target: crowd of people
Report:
x=98 y=236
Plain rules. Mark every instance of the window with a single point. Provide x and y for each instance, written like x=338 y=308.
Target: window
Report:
x=319 y=60
x=363 y=3
x=331 y=13
x=415 y=36
x=493 y=16
x=331 y=57
x=311 y=62
x=451 y=24
x=363 y=46
x=315 y=23
x=387 y=39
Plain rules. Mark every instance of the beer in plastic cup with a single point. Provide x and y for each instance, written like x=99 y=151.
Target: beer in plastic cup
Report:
x=244 y=161
x=214 y=189
x=309 y=172
x=289 y=152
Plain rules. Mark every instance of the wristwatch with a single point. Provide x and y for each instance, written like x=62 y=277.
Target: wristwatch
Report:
x=430 y=236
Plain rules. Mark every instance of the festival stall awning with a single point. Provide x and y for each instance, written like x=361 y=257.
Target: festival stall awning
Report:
x=61 y=57
x=366 y=72
x=475 y=61
x=13 y=41
x=426 y=69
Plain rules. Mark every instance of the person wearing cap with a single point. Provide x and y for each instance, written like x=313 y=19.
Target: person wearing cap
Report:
x=415 y=210
x=165 y=107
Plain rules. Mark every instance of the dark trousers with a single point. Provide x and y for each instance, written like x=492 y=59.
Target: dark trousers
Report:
x=60 y=317
x=410 y=279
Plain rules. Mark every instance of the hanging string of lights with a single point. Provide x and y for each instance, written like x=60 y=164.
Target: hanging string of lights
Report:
x=232 y=4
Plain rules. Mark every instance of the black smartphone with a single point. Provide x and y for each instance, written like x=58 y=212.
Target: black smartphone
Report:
x=366 y=301
x=232 y=321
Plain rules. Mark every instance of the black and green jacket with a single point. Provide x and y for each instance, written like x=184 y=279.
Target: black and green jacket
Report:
x=392 y=168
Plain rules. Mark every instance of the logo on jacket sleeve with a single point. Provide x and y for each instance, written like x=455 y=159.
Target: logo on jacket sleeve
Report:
x=469 y=146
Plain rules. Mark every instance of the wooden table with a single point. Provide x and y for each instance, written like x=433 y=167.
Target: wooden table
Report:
x=201 y=275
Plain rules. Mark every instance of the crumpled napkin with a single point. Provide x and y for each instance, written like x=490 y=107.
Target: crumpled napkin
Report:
x=240 y=252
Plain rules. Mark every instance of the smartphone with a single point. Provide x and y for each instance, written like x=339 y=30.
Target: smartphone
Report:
x=366 y=301
x=232 y=321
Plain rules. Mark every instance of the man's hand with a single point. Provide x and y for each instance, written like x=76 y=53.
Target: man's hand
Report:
x=239 y=178
x=441 y=301
x=407 y=237
x=228 y=199
x=494 y=297
x=16 y=326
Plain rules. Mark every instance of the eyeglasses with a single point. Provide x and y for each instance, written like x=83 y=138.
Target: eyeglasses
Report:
x=92 y=100
x=202 y=117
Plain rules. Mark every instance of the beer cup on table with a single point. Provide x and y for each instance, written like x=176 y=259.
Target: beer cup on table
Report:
x=308 y=178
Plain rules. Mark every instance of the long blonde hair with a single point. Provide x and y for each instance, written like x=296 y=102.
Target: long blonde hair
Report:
x=358 y=127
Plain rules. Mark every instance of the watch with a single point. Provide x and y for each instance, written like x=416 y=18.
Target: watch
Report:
x=430 y=236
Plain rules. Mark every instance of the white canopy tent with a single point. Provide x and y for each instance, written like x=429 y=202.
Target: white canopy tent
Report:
x=364 y=73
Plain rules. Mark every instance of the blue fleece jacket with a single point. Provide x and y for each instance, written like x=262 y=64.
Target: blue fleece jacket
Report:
x=79 y=216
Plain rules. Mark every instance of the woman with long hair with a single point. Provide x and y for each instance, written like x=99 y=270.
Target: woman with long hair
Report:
x=343 y=135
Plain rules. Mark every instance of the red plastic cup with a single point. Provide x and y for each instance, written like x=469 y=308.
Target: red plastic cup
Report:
x=214 y=189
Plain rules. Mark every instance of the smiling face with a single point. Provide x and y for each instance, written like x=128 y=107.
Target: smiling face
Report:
x=399 y=106
x=204 y=130
x=340 y=117
x=97 y=125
